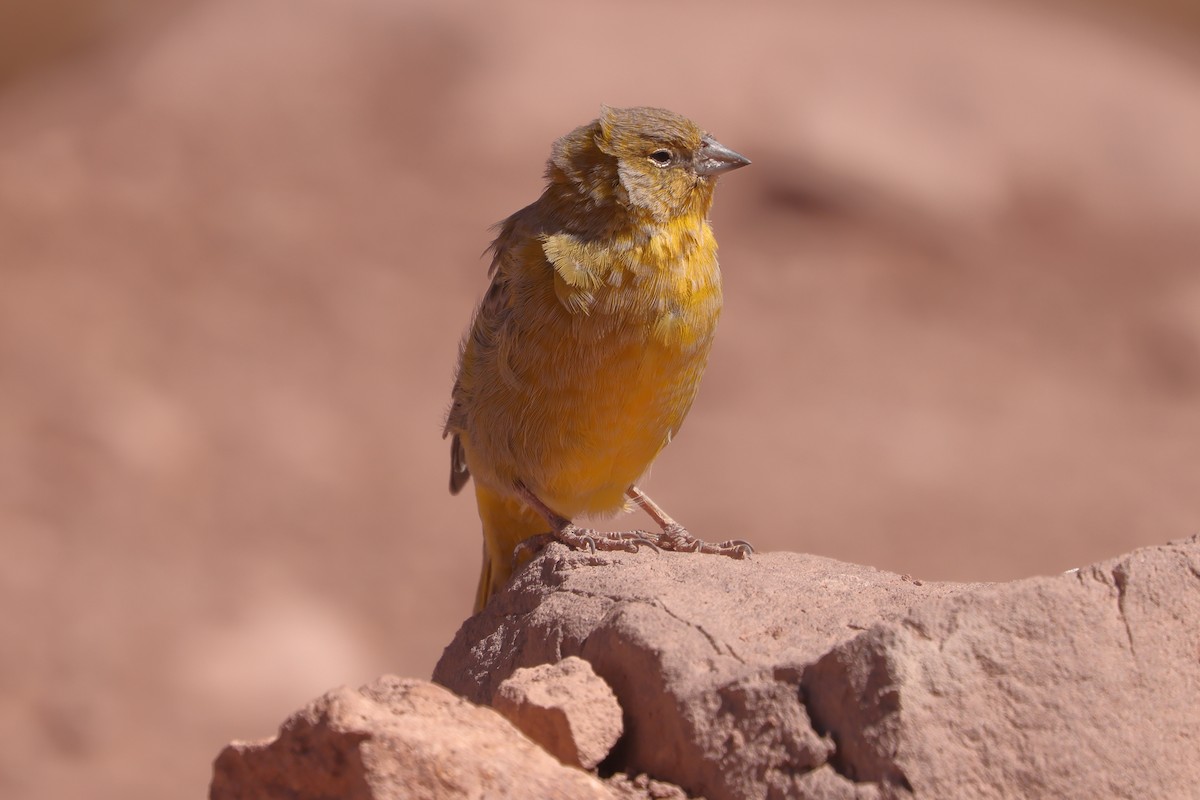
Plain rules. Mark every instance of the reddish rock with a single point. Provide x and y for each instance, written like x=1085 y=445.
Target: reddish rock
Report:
x=395 y=739
x=796 y=676
x=564 y=707
x=1081 y=685
x=643 y=787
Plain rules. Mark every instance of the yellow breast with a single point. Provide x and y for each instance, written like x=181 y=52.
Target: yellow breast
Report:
x=599 y=365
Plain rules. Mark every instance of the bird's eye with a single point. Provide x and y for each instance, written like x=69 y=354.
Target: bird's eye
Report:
x=661 y=157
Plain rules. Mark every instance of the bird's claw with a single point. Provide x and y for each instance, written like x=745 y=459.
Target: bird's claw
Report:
x=588 y=539
x=625 y=541
x=528 y=548
x=674 y=538
x=677 y=539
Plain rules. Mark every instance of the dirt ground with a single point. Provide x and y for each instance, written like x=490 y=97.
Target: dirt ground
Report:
x=239 y=242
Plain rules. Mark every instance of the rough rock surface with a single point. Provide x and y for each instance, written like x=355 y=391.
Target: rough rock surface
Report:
x=643 y=787
x=396 y=738
x=796 y=676
x=566 y=708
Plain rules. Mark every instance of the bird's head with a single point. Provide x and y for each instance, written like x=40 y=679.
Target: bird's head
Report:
x=651 y=161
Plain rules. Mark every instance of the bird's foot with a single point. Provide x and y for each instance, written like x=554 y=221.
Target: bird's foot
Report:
x=677 y=539
x=526 y=549
x=578 y=538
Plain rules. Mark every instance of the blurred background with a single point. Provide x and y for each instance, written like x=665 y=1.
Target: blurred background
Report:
x=240 y=240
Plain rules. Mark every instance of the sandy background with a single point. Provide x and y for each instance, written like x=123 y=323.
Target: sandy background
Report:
x=239 y=242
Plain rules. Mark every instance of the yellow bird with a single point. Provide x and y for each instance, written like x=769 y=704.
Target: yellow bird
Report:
x=586 y=353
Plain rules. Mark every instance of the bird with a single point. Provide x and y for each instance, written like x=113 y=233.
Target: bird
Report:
x=586 y=352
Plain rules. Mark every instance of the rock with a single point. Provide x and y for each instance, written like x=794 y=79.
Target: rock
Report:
x=780 y=676
x=705 y=654
x=564 y=707
x=643 y=787
x=796 y=676
x=396 y=739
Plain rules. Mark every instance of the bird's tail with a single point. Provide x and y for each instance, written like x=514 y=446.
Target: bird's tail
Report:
x=507 y=522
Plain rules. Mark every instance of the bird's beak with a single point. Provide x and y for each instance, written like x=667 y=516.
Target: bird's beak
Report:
x=713 y=158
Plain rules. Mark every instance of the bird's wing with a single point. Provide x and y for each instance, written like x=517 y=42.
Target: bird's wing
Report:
x=481 y=335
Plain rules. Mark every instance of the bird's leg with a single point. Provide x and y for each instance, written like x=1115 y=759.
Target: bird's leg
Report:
x=675 y=537
x=575 y=537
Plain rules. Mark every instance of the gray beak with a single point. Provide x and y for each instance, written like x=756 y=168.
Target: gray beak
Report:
x=713 y=158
